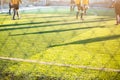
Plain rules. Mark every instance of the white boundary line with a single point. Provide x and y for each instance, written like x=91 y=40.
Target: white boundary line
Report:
x=62 y=65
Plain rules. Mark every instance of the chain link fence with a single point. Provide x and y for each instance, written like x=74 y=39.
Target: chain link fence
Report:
x=48 y=43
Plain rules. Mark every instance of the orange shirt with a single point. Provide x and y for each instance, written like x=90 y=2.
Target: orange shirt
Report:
x=17 y=2
x=85 y=1
x=77 y=1
x=82 y=1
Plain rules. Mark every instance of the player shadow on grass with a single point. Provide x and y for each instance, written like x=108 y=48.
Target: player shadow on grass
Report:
x=56 y=31
x=32 y=22
x=90 y=40
x=29 y=23
x=19 y=26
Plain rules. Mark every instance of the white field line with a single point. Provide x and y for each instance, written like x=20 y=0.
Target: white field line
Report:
x=62 y=65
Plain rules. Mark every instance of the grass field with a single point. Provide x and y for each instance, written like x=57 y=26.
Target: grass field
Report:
x=58 y=37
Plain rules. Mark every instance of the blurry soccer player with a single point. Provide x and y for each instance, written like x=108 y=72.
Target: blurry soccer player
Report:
x=80 y=8
x=15 y=5
x=117 y=10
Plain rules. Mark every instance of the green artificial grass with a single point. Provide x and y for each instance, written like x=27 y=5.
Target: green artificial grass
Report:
x=60 y=38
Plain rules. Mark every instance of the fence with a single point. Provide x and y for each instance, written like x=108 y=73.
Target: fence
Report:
x=26 y=3
x=53 y=45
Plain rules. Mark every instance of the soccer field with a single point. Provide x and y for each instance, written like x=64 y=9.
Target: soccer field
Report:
x=70 y=49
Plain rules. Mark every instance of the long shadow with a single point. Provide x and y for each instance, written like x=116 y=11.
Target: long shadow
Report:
x=91 y=40
x=48 y=25
x=30 y=23
x=54 y=31
x=28 y=27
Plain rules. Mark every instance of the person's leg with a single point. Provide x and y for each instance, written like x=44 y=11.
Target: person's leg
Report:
x=18 y=15
x=82 y=13
x=81 y=16
x=77 y=14
x=14 y=13
x=78 y=10
x=117 y=19
x=17 y=11
x=73 y=7
x=10 y=9
x=85 y=9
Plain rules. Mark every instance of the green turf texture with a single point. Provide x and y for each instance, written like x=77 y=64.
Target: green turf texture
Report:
x=60 y=38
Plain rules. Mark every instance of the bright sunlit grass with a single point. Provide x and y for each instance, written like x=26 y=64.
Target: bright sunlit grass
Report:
x=60 y=38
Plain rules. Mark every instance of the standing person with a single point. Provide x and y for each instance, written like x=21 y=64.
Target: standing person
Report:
x=117 y=10
x=80 y=9
x=86 y=5
x=15 y=5
x=72 y=5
